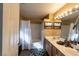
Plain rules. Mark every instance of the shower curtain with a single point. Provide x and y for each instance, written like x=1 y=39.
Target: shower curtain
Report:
x=25 y=35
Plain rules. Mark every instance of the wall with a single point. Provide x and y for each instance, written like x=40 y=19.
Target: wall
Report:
x=1 y=13
x=36 y=32
x=10 y=29
x=52 y=32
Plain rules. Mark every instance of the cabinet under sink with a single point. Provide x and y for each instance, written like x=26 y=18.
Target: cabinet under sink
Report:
x=52 y=50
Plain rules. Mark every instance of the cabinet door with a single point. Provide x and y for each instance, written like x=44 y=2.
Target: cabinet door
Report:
x=59 y=53
x=54 y=51
x=48 y=47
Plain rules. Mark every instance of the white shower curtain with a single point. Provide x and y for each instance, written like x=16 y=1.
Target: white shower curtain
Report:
x=25 y=35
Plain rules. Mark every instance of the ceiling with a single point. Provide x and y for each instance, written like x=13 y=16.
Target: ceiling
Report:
x=39 y=10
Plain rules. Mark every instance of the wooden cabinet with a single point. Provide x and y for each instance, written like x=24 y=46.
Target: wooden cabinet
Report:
x=48 y=47
x=59 y=53
x=56 y=52
x=52 y=50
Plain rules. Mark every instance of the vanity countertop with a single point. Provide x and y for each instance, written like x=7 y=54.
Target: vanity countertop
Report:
x=67 y=51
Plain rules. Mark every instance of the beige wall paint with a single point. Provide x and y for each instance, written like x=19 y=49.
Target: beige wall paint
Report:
x=10 y=29
x=36 y=32
x=52 y=32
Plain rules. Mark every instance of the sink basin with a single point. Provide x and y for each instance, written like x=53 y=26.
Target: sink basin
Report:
x=60 y=43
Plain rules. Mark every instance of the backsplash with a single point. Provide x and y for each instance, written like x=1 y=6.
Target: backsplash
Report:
x=52 y=32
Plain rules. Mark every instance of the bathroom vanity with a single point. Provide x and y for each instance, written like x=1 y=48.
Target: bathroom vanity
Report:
x=55 y=49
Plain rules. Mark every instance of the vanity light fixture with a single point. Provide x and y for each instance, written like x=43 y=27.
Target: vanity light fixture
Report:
x=70 y=11
x=59 y=16
x=56 y=17
x=76 y=6
x=66 y=13
x=62 y=15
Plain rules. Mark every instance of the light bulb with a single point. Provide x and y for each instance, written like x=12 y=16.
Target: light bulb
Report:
x=62 y=15
x=76 y=6
x=56 y=17
x=70 y=11
x=66 y=14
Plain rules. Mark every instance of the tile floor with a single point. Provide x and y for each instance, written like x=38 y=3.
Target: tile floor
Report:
x=34 y=52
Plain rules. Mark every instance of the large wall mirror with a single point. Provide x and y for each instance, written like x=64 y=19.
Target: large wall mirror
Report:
x=75 y=31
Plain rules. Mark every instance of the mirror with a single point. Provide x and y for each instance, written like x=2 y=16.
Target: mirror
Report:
x=74 y=32
x=71 y=30
x=78 y=29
